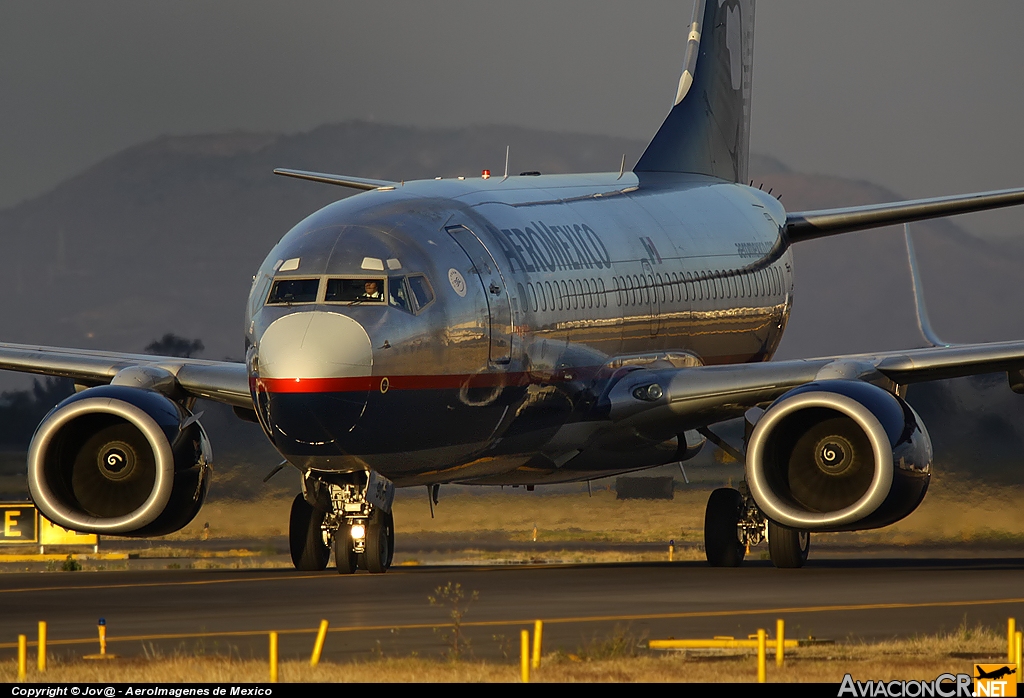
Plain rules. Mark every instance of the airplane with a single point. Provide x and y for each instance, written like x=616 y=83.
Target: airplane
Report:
x=995 y=674
x=525 y=330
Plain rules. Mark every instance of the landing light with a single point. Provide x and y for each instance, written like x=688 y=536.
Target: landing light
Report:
x=648 y=393
x=358 y=532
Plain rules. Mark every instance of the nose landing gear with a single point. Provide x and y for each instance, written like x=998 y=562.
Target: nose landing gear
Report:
x=353 y=519
x=309 y=550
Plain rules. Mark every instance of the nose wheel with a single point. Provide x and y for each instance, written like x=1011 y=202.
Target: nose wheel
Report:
x=345 y=557
x=373 y=551
x=306 y=537
x=380 y=542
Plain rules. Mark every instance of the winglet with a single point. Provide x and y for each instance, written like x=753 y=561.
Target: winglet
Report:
x=923 y=322
x=339 y=180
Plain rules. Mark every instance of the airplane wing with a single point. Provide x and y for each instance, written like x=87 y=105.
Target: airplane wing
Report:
x=221 y=381
x=656 y=399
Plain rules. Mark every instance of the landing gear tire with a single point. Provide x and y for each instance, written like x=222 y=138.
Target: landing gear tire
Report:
x=306 y=536
x=380 y=542
x=345 y=557
x=788 y=547
x=722 y=545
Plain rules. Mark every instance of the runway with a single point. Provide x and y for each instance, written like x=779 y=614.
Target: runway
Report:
x=232 y=610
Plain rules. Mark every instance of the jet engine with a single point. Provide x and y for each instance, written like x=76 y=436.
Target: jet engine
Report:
x=119 y=461
x=838 y=455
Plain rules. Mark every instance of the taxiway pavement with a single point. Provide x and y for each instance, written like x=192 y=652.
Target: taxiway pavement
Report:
x=230 y=611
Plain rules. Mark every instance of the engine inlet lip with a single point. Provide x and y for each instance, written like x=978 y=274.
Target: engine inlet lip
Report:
x=53 y=508
x=782 y=512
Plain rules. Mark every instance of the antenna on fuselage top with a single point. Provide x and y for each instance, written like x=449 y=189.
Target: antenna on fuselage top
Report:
x=923 y=322
x=622 y=167
x=507 y=149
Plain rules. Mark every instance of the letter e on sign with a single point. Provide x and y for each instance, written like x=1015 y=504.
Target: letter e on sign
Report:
x=18 y=524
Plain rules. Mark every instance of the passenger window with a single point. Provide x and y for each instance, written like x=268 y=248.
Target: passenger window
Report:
x=602 y=298
x=354 y=291
x=422 y=293
x=288 y=291
x=533 y=297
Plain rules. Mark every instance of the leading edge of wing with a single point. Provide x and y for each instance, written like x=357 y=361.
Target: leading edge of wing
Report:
x=222 y=381
x=727 y=390
x=809 y=225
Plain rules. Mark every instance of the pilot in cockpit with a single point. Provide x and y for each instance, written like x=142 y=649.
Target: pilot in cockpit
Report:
x=371 y=291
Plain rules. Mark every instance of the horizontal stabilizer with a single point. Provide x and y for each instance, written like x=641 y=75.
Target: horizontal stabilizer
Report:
x=339 y=180
x=808 y=225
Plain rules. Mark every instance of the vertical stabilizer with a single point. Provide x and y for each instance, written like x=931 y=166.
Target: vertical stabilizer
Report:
x=708 y=129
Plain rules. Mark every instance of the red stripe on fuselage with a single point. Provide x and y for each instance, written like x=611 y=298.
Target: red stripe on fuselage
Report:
x=364 y=383
x=443 y=382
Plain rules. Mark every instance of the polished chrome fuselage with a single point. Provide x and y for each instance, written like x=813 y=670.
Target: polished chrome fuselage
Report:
x=546 y=291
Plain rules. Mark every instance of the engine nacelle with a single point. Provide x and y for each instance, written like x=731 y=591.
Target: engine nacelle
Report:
x=838 y=455
x=119 y=461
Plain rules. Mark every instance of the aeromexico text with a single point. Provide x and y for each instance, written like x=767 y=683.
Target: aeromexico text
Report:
x=540 y=247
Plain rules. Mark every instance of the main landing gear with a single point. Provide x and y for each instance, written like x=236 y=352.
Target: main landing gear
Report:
x=733 y=523
x=351 y=519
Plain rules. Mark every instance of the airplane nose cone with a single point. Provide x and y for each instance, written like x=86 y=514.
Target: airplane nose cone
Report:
x=314 y=345
x=314 y=372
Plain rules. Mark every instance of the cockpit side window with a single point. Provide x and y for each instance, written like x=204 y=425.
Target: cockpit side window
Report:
x=354 y=291
x=398 y=293
x=289 y=291
x=422 y=293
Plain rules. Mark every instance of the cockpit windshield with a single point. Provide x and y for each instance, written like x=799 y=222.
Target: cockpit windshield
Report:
x=354 y=291
x=398 y=293
x=288 y=291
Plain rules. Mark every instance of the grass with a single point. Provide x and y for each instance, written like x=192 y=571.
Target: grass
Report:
x=956 y=511
x=620 y=657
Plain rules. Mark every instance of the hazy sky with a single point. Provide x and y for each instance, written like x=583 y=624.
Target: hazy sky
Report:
x=923 y=96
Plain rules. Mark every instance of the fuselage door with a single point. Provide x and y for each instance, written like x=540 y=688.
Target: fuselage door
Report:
x=498 y=304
